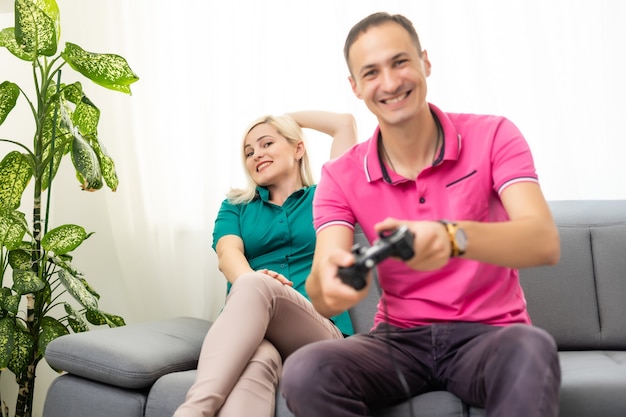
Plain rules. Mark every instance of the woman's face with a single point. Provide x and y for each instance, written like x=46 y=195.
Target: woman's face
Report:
x=270 y=157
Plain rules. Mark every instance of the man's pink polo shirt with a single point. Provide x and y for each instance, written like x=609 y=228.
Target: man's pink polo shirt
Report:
x=481 y=155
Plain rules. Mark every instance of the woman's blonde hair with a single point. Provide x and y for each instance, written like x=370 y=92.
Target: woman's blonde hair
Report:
x=287 y=127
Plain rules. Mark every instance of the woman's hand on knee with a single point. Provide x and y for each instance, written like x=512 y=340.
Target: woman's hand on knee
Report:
x=277 y=276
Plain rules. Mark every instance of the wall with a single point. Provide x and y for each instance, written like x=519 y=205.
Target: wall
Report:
x=207 y=68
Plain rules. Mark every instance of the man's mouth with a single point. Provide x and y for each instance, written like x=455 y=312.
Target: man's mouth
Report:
x=263 y=165
x=396 y=99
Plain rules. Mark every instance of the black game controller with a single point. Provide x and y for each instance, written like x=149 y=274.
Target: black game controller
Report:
x=398 y=243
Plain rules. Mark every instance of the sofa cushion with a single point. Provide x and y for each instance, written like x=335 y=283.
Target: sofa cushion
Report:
x=168 y=392
x=130 y=356
x=69 y=395
x=593 y=383
x=431 y=404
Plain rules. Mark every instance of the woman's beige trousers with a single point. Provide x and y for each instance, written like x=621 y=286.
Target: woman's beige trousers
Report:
x=263 y=322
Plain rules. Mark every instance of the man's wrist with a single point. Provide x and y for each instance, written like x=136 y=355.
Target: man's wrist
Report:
x=457 y=236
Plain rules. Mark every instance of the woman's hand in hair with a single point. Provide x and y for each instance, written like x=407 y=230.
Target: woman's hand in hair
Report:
x=340 y=126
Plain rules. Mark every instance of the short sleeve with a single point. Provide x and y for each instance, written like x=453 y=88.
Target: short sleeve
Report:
x=227 y=222
x=512 y=159
x=330 y=204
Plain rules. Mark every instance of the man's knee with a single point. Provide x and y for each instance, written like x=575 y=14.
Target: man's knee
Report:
x=304 y=368
x=299 y=366
x=529 y=344
x=528 y=339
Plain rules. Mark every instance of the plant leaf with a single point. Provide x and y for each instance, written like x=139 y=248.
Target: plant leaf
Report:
x=15 y=173
x=9 y=92
x=114 y=321
x=86 y=163
x=86 y=116
x=95 y=317
x=22 y=349
x=76 y=288
x=73 y=92
x=13 y=227
x=108 y=70
x=37 y=26
x=25 y=281
x=89 y=287
x=107 y=166
x=51 y=328
x=62 y=138
x=19 y=259
x=75 y=319
x=63 y=239
x=7 y=39
x=7 y=341
x=100 y=318
x=9 y=302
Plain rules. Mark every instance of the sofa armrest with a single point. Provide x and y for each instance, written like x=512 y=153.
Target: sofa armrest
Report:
x=132 y=356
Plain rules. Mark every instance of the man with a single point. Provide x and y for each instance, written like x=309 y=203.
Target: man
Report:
x=452 y=317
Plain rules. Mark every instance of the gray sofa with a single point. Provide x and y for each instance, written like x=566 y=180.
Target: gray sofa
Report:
x=145 y=369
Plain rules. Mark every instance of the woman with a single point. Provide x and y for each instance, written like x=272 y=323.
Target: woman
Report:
x=264 y=240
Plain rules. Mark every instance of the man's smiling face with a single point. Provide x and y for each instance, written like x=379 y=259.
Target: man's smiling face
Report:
x=389 y=74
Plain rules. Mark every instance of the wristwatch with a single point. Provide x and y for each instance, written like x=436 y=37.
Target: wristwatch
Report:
x=458 y=238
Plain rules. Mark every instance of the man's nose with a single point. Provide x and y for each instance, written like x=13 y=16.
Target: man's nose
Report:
x=390 y=81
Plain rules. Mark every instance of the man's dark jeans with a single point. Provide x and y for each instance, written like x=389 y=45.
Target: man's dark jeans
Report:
x=511 y=371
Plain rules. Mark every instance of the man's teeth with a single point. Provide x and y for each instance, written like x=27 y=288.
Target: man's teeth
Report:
x=394 y=100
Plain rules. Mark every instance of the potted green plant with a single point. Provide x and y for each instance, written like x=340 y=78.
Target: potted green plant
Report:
x=36 y=270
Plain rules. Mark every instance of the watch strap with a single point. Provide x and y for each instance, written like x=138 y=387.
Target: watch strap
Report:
x=451 y=229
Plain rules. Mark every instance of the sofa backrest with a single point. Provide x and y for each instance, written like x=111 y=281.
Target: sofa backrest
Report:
x=581 y=301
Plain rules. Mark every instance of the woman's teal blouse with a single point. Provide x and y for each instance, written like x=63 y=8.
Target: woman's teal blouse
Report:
x=279 y=238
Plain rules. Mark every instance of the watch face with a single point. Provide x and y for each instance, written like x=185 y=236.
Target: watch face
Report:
x=461 y=239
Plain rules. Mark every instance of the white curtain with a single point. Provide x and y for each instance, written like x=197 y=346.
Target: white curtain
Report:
x=207 y=68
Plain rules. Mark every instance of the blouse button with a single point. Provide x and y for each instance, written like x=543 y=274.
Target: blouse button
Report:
x=422 y=200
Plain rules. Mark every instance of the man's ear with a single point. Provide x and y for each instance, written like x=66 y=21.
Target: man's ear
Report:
x=354 y=87
x=427 y=65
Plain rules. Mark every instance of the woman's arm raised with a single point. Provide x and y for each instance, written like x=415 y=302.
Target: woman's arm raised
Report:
x=341 y=126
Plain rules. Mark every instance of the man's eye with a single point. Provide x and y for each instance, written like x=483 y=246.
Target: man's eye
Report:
x=401 y=62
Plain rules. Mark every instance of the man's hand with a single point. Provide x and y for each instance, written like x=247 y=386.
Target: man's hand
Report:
x=337 y=294
x=329 y=294
x=431 y=244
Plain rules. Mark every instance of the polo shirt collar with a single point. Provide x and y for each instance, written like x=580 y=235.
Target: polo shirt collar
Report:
x=373 y=164
x=264 y=194
x=450 y=148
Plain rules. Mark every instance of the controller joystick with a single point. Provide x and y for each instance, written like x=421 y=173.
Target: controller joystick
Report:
x=398 y=243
